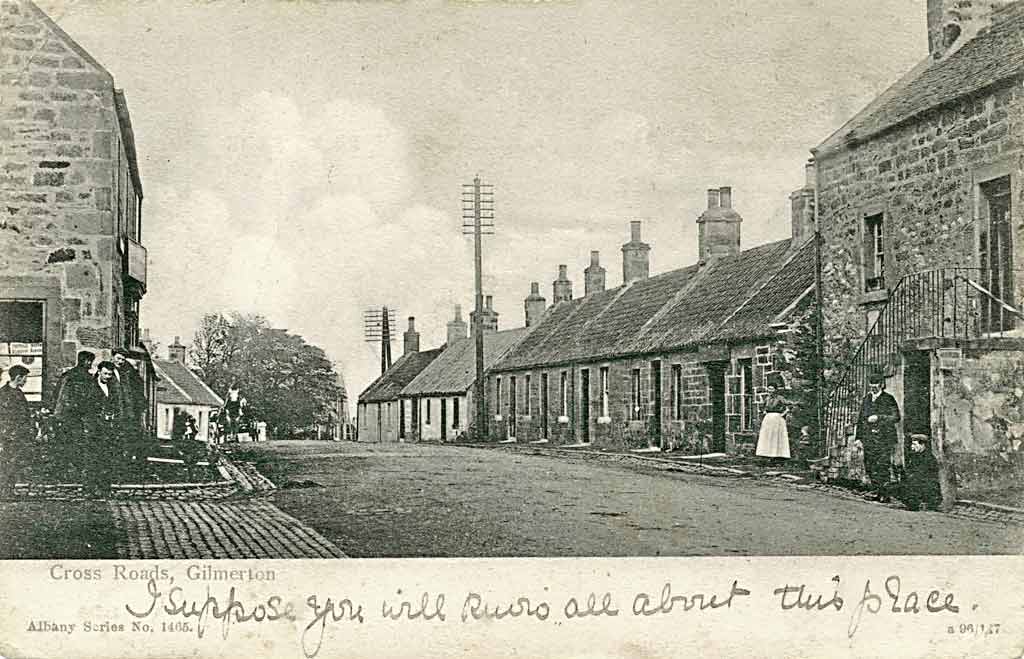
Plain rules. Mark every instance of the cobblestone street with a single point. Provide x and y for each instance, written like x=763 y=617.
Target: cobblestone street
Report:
x=142 y=529
x=245 y=529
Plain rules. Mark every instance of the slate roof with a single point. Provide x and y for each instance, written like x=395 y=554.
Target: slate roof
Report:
x=454 y=371
x=180 y=386
x=993 y=56
x=732 y=299
x=402 y=372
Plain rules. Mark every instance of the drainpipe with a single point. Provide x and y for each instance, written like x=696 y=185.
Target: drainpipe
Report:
x=819 y=330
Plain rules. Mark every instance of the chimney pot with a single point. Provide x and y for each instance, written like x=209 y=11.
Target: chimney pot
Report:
x=411 y=338
x=810 y=175
x=488 y=301
x=725 y=196
x=177 y=339
x=534 y=304
x=712 y=198
x=595 y=257
x=634 y=231
x=562 y=271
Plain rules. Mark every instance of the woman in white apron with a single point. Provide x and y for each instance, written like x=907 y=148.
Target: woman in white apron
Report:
x=773 y=440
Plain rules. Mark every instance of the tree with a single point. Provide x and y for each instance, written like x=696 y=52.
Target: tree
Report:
x=287 y=382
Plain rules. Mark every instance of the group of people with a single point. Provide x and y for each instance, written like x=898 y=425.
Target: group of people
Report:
x=877 y=435
x=95 y=412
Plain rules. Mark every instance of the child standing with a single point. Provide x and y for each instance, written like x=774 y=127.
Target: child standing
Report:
x=921 y=484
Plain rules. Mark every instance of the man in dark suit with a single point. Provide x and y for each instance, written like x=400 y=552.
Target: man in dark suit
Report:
x=133 y=394
x=16 y=426
x=102 y=406
x=70 y=399
x=876 y=430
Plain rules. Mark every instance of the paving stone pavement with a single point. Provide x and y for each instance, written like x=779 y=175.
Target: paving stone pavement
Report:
x=205 y=529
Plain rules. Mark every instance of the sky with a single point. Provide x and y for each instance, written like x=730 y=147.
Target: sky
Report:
x=304 y=160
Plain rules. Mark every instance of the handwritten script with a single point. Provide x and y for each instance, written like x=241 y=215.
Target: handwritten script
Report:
x=323 y=614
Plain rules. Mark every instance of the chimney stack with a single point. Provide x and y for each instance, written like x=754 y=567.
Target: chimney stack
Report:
x=176 y=351
x=561 y=288
x=636 y=256
x=456 y=326
x=801 y=204
x=952 y=23
x=411 y=337
x=534 y=305
x=718 y=227
x=489 y=317
x=593 y=276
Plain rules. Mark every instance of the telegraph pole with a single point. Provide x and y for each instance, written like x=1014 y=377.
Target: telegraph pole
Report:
x=478 y=217
x=377 y=327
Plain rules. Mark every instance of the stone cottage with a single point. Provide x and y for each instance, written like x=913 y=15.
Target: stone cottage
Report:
x=180 y=389
x=679 y=359
x=72 y=266
x=380 y=414
x=438 y=404
x=920 y=210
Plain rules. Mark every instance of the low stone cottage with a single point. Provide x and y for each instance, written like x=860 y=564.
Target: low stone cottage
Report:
x=677 y=360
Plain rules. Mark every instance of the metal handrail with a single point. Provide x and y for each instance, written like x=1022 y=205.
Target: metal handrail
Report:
x=946 y=303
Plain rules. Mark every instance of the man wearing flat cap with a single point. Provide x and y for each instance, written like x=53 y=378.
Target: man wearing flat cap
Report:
x=876 y=430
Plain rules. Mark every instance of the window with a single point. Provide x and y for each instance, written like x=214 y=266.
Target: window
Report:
x=747 y=407
x=874 y=252
x=427 y=403
x=677 y=391
x=21 y=342
x=455 y=412
x=604 y=392
x=996 y=255
x=563 y=392
x=497 y=395
x=634 y=402
x=526 y=396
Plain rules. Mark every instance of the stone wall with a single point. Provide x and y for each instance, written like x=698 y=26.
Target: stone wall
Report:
x=982 y=410
x=64 y=181
x=923 y=176
x=688 y=430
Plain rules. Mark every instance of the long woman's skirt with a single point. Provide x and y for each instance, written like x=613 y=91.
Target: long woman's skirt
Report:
x=773 y=441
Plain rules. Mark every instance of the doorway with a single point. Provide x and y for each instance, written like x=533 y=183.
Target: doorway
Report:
x=716 y=386
x=655 y=403
x=917 y=397
x=444 y=419
x=512 y=408
x=543 y=405
x=585 y=406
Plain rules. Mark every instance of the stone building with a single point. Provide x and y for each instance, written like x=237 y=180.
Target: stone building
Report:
x=380 y=414
x=676 y=360
x=438 y=404
x=921 y=204
x=180 y=390
x=72 y=264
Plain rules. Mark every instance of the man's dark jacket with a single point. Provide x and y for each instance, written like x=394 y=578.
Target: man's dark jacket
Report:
x=133 y=394
x=881 y=435
x=16 y=423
